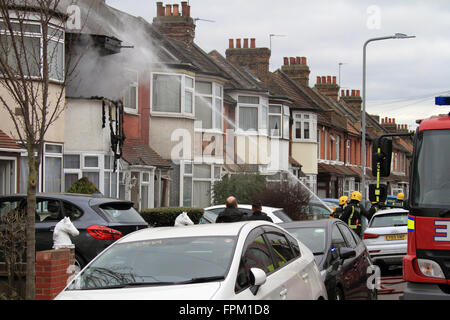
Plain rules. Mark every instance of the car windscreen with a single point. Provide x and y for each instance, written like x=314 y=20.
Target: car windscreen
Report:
x=312 y=237
x=121 y=212
x=282 y=215
x=159 y=262
x=389 y=220
x=431 y=171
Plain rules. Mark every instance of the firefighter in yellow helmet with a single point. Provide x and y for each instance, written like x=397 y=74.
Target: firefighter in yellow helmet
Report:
x=400 y=198
x=342 y=204
x=353 y=213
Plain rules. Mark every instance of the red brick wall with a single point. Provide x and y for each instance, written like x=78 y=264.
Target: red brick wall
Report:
x=52 y=272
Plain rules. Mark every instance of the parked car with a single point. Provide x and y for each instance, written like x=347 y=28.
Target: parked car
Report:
x=100 y=221
x=386 y=237
x=341 y=255
x=242 y=260
x=277 y=214
x=317 y=209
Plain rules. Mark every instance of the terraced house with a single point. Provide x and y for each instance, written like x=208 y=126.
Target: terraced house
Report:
x=153 y=118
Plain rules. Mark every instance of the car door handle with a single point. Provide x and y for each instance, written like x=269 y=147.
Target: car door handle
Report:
x=283 y=292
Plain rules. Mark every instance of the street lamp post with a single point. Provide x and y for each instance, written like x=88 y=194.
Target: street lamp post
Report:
x=363 y=112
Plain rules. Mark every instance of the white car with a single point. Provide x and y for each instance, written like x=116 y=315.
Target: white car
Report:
x=242 y=260
x=276 y=214
x=386 y=236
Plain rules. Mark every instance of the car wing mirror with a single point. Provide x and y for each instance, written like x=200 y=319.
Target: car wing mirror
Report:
x=346 y=253
x=257 y=278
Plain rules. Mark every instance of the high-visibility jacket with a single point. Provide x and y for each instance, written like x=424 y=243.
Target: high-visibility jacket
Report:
x=354 y=220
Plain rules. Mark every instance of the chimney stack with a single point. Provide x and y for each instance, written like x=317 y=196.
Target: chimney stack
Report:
x=255 y=59
x=353 y=100
x=328 y=87
x=297 y=70
x=170 y=23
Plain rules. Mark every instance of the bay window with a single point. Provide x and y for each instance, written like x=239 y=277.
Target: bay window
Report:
x=27 y=37
x=275 y=119
x=172 y=93
x=248 y=113
x=209 y=105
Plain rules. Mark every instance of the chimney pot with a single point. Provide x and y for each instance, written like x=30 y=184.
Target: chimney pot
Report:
x=382 y=120
x=175 y=10
x=353 y=93
x=246 y=43
x=168 y=10
x=298 y=60
x=292 y=60
x=318 y=80
x=324 y=79
x=348 y=93
x=159 y=9
x=231 y=43
x=184 y=8
x=188 y=10
x=304 y=61
x=342 y=93
x=334 y=79
x=286 y=61
x=253 y=43
x=329 y=79
x=238 y=43
x=357 y=93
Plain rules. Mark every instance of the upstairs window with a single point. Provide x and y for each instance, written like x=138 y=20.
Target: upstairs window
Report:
x=248 y=113
x=209 y=105
x=305 y=126
x=130 y=93
x=172 y=93
x=27 y=37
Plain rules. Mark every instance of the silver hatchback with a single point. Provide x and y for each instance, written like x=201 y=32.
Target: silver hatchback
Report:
x=386 y=237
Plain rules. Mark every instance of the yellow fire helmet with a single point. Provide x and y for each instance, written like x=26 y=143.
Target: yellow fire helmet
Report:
x=343 y=200
x=356 y=195
x=400 y=196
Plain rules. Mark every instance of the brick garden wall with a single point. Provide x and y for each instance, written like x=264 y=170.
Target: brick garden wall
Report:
x=52 y=272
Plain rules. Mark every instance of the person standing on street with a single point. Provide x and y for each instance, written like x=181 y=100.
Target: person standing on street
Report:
x=340 y=210
x=353 y=213
x=231 y=212
x=257 y=213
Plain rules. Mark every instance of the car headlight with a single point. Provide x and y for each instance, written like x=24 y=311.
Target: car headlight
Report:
x=430 y=268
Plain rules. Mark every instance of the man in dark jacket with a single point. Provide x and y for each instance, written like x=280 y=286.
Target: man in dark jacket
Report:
x=231 y=212
x=257 y=213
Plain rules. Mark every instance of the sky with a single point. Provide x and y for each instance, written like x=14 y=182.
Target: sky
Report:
x=402 y=76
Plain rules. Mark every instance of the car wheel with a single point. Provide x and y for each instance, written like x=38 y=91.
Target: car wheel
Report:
x=339 y=294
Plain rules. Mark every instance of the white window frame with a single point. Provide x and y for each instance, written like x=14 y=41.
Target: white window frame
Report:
x=183 y=89
x=318 y=143
x=348 y=149
x=150 y=191
x=249 y=105
x=302 y=118
x=14 y=182
x=212 y=179
x=338 y=148
x=53 y=155
x=132 y=84
x=214 y=96
x=28 y=34
x=278 y=115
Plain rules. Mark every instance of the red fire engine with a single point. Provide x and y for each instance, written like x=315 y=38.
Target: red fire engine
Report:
x=426 y=266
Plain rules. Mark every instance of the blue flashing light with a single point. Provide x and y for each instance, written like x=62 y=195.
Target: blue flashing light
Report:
x=442 y=101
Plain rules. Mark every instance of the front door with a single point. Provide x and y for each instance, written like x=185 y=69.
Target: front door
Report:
x=135 y=187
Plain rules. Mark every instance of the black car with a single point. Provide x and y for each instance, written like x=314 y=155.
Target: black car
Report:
x=100 y=221
x=340 y=254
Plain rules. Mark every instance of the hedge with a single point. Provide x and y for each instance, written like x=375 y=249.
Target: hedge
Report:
x=164 y=217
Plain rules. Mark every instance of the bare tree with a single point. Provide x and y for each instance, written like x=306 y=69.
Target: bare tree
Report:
x=33 y=70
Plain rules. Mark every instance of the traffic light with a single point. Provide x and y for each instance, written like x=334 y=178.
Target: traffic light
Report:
x=381 y=156
x=381 y=193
